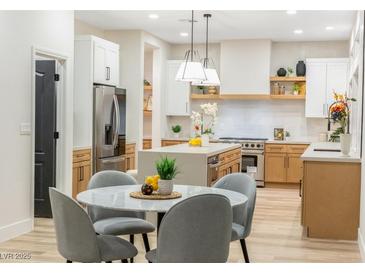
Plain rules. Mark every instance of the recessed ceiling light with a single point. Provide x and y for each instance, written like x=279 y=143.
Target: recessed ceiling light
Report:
x=153 y=16
x=298 y=31
x=184 y=34
x=291 y=12
x=329 y=28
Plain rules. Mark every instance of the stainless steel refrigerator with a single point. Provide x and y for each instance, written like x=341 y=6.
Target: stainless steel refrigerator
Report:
x=109 y=128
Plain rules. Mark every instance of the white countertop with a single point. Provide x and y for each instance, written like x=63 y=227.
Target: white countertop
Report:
x=328 y=156
x=211 y=149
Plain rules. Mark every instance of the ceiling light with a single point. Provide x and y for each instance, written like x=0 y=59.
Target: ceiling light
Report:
x=184 y=34
x=298 y=31
x=191 y=70
x=153 y=16
x=329 y=28
x=291 y=12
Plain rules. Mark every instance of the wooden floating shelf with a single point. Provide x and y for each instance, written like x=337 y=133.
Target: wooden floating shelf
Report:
x=246 y=97
x=147 y=112
x=195 y=96
x=288 y=97
x=287 y=79
x=148 y=88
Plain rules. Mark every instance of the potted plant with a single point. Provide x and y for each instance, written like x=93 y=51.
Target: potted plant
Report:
x=167 y=170
x=296 y=89
x=290 y=71
x=339 y=112
x=176 y=129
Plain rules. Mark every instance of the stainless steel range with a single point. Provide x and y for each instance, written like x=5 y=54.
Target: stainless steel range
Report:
x=253 y=160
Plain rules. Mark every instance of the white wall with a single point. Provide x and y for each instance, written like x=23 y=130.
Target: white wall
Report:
x=82 y=28
x=287 y=54
x=19 y=32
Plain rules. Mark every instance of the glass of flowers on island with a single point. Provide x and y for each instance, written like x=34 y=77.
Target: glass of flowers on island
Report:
x=203 y=124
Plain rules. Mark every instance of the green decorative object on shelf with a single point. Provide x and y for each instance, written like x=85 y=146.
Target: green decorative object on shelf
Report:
x=296 y=89
x=146 y=83
x=176 y=129
x=290 y=71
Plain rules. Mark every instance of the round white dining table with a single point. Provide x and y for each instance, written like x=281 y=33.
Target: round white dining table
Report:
x=117 y=197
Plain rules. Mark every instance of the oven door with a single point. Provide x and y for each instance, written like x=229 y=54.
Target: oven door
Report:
x=253 y=159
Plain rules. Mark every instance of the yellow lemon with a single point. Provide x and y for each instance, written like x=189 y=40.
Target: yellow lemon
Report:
x=149 y=180
x=155 y=185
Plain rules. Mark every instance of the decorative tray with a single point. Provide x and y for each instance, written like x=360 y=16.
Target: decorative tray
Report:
x=155 y=195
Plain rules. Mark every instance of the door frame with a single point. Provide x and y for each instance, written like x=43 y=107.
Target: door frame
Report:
x=62 y=65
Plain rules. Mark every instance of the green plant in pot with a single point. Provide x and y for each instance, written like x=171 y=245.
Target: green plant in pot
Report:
x=167 y=170
x=176 y=130
x=296 y=89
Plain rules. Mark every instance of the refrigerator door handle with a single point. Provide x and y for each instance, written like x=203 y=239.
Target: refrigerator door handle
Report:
x=117 y=121
x=113 y=160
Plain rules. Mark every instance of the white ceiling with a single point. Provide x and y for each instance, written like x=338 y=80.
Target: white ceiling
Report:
x=225 y=25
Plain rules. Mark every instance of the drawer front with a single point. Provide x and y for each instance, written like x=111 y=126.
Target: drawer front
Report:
x=228 y=156
x=274 y=148
x=166 y=143
x=130 y=148
x=298 y=149
x=81 y=155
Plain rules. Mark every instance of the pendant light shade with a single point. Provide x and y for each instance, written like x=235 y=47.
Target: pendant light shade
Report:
x=191 y=70
x=212 y=78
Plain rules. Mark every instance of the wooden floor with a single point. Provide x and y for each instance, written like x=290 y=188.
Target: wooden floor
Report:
x=276 y=237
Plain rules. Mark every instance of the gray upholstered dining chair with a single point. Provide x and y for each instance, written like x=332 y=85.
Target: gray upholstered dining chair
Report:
x=76 y=237
x=115 y=222
x=242 y=215
x=196 y=230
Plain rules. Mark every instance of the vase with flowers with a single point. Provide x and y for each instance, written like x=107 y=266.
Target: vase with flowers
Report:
x=204 y=122
x=339 y=112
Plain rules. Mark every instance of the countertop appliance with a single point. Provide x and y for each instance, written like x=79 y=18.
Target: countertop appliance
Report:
x=109 y=120
x=253 y=160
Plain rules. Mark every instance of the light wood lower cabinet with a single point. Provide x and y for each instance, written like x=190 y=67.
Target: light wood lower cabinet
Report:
x=283 y=163
x=165 y=143
x=81 y=170
x=230 y=162
x=147 y=143
x=130 y=156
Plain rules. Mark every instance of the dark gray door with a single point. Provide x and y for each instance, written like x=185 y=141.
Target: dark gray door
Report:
x=45 y=136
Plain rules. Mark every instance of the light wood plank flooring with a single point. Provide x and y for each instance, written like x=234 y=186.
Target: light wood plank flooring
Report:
x=276 y=237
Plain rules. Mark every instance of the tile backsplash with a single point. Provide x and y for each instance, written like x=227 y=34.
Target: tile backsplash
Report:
x=257 y=119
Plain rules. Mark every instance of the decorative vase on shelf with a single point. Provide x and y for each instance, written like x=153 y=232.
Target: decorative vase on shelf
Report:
x=281 y=72
x=165 y=187
x=205 y=140
x=345 y=140
x=212 y=90
x=300 y=68
x=177 y=135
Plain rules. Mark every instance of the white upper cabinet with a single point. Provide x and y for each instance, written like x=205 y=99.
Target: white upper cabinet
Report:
x=245 y=67
x=106 y=62
x=178 y=93
x=324 y=76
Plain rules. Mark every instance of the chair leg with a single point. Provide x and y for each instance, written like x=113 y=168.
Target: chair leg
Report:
x=124 y=261
x=146 y=242
x=244 y=250
x=68 y=261
x=131 y=240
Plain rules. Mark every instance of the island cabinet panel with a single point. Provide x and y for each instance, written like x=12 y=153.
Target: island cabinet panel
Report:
x=81 y=170
x=147 y=143
x=130 y=156
x=331 y=199
x=283 y=163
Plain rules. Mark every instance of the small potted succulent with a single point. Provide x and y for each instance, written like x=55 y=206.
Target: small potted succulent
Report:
x=167 y=170
x=176 y=130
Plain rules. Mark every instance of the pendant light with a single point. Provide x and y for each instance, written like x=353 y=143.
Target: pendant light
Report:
x=208 y=64
x=191 y=70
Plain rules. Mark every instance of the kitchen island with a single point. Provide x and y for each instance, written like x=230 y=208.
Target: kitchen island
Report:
x=198 y=166
x=330 y=192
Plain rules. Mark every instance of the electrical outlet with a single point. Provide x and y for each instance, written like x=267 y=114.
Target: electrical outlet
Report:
x=25 y=129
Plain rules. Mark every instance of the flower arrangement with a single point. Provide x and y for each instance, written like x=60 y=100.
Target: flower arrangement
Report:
x=339 y=112
x=204 y=122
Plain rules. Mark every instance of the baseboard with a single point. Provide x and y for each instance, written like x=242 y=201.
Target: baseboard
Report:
x=15 y=229
x=361 y=242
